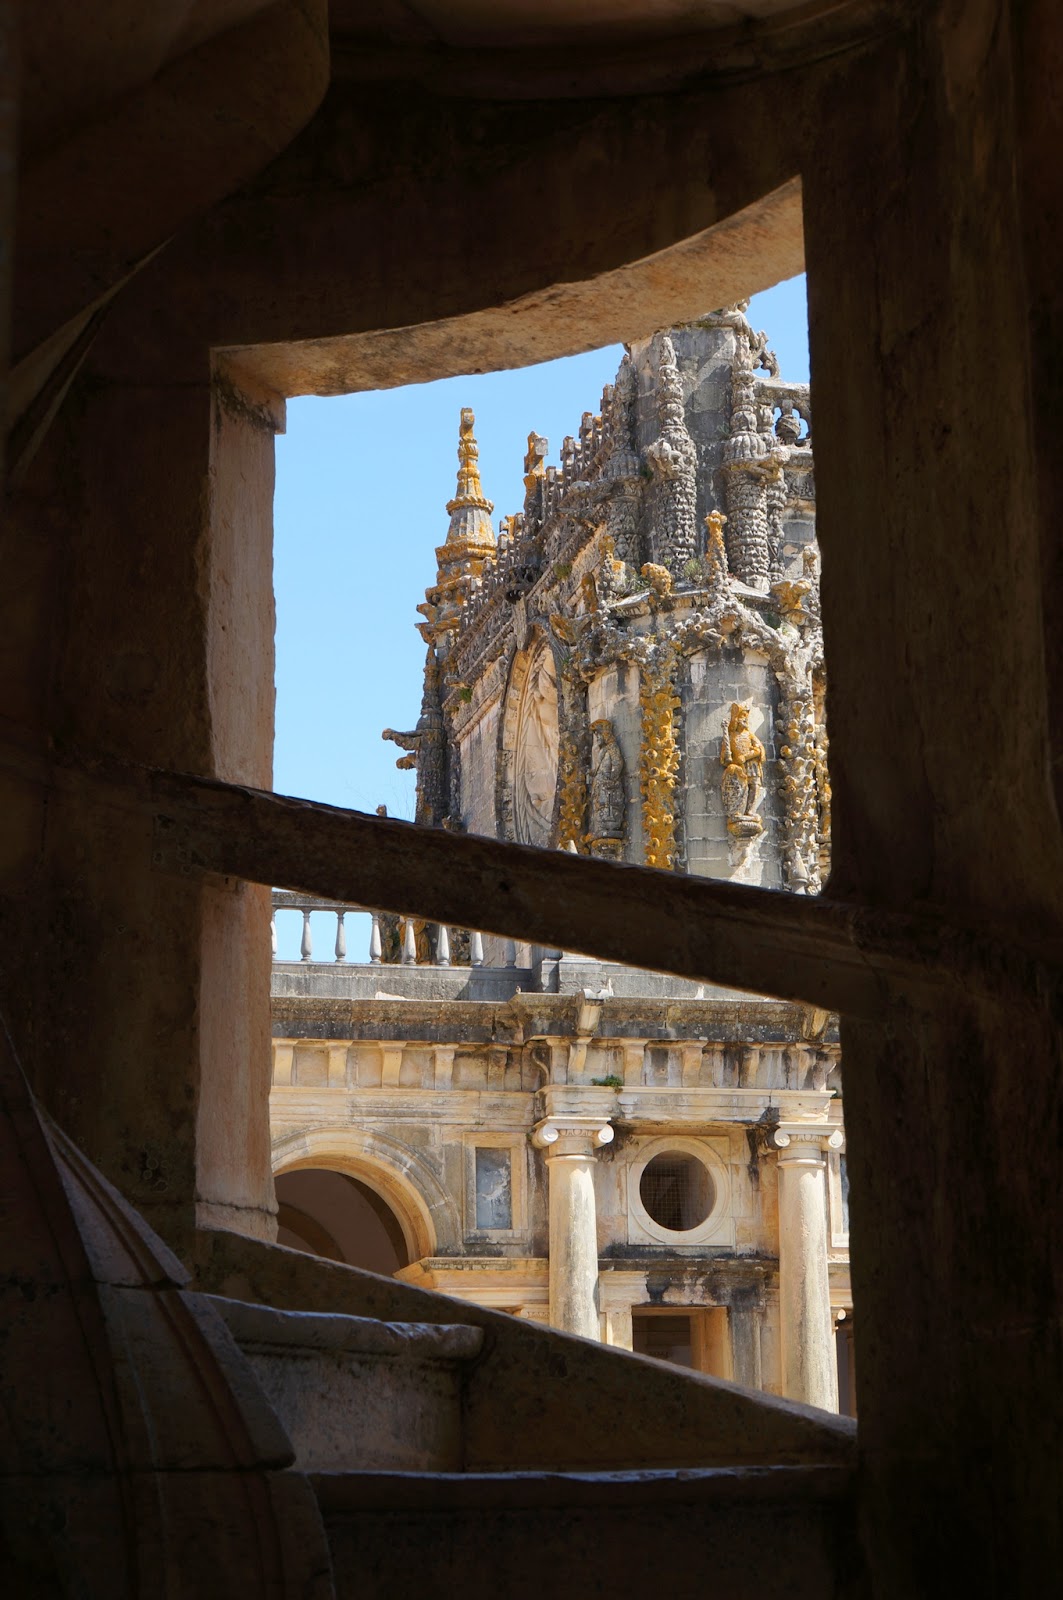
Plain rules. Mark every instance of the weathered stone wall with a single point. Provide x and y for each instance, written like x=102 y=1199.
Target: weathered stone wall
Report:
x=150 y=512
x=478 y=747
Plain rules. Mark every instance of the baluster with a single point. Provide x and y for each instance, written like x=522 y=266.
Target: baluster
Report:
x=409 y=944
x=509 y=954
x=341 y=936
x=476 y=949
x=273 y=934
x=306 y=947
x=374 y=941
x=442 y=946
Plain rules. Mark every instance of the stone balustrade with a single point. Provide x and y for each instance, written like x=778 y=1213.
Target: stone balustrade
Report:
x=394 y=939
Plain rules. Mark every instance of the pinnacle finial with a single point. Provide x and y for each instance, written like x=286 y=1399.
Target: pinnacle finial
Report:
x=470 y=491
x=535 y=460
x=470 y=510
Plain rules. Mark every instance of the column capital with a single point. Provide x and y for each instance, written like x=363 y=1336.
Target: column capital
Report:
x=802 y=1141
x=571 y=1135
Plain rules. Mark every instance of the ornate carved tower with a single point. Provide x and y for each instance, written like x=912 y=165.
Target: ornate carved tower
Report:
x=634 y=669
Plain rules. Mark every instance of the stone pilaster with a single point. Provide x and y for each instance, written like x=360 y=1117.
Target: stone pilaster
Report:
x=809 y=1370
x=570 y=1143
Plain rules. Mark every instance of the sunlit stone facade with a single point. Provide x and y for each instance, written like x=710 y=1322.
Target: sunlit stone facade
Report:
x=630 y=668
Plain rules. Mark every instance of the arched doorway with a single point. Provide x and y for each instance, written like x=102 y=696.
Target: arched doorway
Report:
x=333 y=1214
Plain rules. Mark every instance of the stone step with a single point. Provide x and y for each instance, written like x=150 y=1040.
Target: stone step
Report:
x=752 y=1533
x=355 y=1394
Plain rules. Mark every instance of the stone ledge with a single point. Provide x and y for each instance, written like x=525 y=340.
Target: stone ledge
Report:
x=258 y=1325
x=360 y=1492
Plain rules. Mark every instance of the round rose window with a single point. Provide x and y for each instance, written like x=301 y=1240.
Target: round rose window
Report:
x=677 y=1191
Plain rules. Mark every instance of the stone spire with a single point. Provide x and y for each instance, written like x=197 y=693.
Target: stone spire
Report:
x=747 y=464
x=534 y=481
x=673 y=459
x=470 y=510
x=469 y=548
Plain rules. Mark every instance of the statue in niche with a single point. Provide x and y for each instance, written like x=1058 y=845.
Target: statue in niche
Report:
x=607 y=797
x=742 y=784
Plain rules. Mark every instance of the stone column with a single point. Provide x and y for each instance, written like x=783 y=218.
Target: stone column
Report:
x=570 y=1143
x=809 y=1369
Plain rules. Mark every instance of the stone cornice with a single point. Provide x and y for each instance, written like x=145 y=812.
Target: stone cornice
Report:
x=526 y=1017
x=638 y=1109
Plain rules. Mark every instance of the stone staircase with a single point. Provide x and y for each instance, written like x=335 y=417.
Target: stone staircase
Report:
x=264 y=1422
x=383 y=1418
x=752 y=1533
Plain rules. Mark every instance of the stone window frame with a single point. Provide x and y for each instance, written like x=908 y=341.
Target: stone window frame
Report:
x=718 y=1226
x=516 y=1143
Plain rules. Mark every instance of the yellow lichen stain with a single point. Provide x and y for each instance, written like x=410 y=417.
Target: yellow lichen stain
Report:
x=659 y=760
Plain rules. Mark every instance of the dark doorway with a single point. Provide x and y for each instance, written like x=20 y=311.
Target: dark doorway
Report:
x=668 y=1338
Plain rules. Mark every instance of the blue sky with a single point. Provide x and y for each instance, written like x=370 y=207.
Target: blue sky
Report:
x=362 y=486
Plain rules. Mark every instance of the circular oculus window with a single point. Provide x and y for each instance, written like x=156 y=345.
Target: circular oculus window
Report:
x=677 y=1191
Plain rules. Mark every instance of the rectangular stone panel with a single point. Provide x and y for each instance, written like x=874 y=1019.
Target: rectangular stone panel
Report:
x=494 y=1187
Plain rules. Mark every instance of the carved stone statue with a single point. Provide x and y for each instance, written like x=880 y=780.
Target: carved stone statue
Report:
x=742 y=784
x=607 y=797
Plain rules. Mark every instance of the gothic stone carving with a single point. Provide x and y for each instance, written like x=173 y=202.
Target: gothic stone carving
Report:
x=746 y=486
x=575 y=556
x=672 y=458
x=715 y=563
